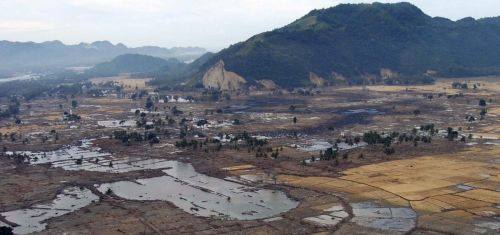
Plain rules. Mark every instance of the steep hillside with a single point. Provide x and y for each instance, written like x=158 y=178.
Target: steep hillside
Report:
x=365 y=43
x=182 y=76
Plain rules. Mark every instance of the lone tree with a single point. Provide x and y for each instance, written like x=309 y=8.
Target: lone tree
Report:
x=74 y=103
x=294 y=120
x=482 y=102
x=483 y=113
x=109 y=191
x=389 y=150
x=4 y=230
x=451 y=134
x=149 y=103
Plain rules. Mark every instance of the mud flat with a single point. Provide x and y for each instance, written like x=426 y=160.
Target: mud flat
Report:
x=209 y=184
x=33 y=219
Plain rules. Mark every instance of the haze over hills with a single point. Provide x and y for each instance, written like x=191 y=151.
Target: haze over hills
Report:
x=136 y=64
x=345 y=44
x=362 y=43
x=16 y=56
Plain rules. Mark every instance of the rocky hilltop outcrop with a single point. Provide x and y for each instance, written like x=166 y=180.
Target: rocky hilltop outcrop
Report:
x=267 y=84
x=388 y=74
x=217 y=77
x=317 y=80
x=338 y=78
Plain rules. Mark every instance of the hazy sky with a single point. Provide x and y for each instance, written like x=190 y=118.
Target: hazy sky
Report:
x=213 y=24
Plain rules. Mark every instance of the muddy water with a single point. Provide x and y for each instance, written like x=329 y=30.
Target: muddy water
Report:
x=203 y=195
x=321 y=145
x=314 y=145
x=92 y=159
x=33 y=219
x=360 y=111
x=117 y=123
x=193 y=192
x=368 y=214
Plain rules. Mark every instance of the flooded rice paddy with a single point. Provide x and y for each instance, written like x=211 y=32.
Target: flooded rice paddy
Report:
x=362 y=111
x=399 y=219
x=315 y=145
x=335 y=216
x=89 y=158
x=117 y=123
x=203 y=195
x=368 y=214
x=181 y=185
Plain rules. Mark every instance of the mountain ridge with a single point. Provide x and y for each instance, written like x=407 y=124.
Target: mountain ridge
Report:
x=15 y=56
x=359 y=41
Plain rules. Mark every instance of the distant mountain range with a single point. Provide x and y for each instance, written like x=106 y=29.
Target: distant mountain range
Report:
x=360 y=43
x=136 y=64
x=18 y=56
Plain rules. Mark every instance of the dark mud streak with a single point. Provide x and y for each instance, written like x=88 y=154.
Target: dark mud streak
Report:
x=115 y=201
x=272 y=102
x=2 y=219
x=417 y=228
x=362 y=119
